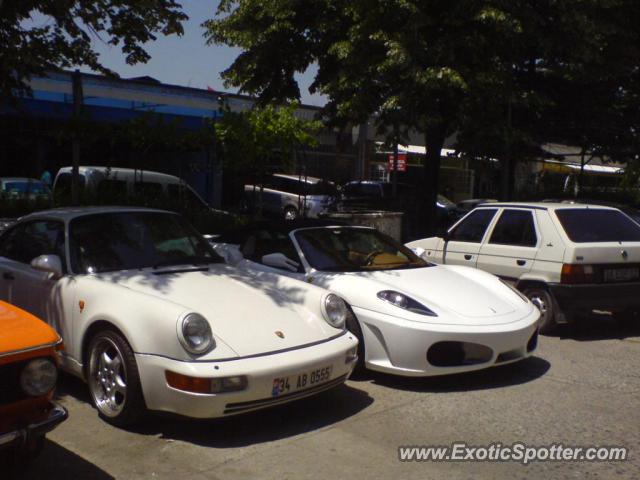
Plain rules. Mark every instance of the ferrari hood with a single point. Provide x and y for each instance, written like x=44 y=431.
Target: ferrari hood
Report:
x=250 y=313
x=458 y=295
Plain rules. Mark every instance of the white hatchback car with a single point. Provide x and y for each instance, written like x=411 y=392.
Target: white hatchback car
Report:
x=151 y=316
x=568 y=259
x=413 y=318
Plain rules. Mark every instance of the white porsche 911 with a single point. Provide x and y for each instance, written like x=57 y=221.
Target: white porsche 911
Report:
x=412 y=317
x=151 y=317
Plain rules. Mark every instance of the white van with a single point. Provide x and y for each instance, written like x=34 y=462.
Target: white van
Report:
x=292 y=196
x=127 y=183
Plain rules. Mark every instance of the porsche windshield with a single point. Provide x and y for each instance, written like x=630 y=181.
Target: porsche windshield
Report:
x=107 y=242
x=343 y=249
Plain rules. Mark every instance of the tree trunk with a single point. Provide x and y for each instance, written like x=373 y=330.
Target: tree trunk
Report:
x=75 y=140
x=577 y=191
x=505 y=175
x=434 y=140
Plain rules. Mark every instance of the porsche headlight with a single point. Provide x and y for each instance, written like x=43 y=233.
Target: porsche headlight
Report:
x=195 y=335
x=516 y=291
x=407 y=303
x=335 y=311
x=38 y=377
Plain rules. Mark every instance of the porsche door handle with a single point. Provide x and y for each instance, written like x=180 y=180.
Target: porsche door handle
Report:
x=468 y=257
x=8 y=276
x=522 y=263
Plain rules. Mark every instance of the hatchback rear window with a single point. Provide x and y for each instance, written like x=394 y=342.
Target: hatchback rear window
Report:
x=584 y=225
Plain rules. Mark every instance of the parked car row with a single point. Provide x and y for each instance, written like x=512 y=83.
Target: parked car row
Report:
x=156 y=317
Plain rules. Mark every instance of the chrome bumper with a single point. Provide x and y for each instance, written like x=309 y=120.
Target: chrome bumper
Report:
x=20 y=436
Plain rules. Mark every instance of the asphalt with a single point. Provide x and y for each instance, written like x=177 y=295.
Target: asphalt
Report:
x=581 y=388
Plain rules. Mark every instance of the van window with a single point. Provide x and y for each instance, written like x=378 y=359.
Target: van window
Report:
x=110 y=186
x=321 y=188
x=63 y=184
x=189 y=201
x=151 y=189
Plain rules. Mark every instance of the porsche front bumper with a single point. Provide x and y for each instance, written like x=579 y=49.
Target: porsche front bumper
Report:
x=260 y=372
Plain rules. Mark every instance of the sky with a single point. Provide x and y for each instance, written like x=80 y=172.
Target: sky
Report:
x=187 y=60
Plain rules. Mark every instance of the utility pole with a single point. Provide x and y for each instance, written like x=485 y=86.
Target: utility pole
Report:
x=75 y=137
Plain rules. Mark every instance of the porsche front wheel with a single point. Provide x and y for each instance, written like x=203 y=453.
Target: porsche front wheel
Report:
x=114 y=383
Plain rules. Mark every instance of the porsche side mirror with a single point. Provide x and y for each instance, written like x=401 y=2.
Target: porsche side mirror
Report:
x=49 y=264
x=280 y=260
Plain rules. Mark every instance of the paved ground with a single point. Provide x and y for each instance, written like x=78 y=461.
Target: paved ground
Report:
x=581 y=388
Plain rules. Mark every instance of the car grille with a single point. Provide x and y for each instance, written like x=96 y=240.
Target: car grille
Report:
x=10 y=390
x=268 y=402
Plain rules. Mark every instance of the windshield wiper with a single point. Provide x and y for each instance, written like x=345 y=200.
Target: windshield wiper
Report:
x=186 y=261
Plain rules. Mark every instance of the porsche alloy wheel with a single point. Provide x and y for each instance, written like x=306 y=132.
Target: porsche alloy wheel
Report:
x=113 y=379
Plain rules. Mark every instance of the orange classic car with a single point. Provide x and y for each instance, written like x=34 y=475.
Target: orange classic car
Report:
x=28 y=375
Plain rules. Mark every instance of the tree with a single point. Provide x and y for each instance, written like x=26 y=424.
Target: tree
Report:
x=488 y=70
x=573 y=78
x=61 y=35
x=422 y=58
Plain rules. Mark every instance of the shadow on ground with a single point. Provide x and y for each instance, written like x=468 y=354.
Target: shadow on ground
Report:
x=518 y=373
x=56 y=462
x=305 y=415
x=601 y=327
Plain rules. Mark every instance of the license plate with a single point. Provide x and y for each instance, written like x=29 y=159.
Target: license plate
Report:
x=621 y=274
x=292 y=383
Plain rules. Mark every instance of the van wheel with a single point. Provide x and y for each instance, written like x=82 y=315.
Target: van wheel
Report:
x=543 y=300
x=290 y=213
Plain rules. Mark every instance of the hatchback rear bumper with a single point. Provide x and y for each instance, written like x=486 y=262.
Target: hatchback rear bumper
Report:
x=585 y=298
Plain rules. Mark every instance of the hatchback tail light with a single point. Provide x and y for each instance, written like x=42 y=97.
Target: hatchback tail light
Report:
x=572 y=274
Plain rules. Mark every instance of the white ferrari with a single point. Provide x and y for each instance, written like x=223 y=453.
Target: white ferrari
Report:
x=412 y=317
x=152 y=318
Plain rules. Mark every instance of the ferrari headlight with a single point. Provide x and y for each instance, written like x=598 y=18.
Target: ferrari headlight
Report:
x=516 y=291
x=335 y=310
x=195 y=335
x=407 y=303
x=38 y=377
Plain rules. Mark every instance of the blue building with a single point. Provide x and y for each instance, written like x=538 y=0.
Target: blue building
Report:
x=34 y=133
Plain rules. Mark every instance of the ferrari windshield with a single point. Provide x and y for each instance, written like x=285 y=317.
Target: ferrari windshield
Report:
x=349 y=249
x=107 y=242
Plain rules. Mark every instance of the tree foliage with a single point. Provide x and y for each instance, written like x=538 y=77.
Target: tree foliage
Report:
x=505 y=75
x=39 y=35
x=251 y=139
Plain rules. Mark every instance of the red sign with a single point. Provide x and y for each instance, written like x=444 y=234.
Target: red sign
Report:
x=402 y=162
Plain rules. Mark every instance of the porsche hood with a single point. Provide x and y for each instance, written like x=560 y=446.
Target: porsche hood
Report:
x=251 y=313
